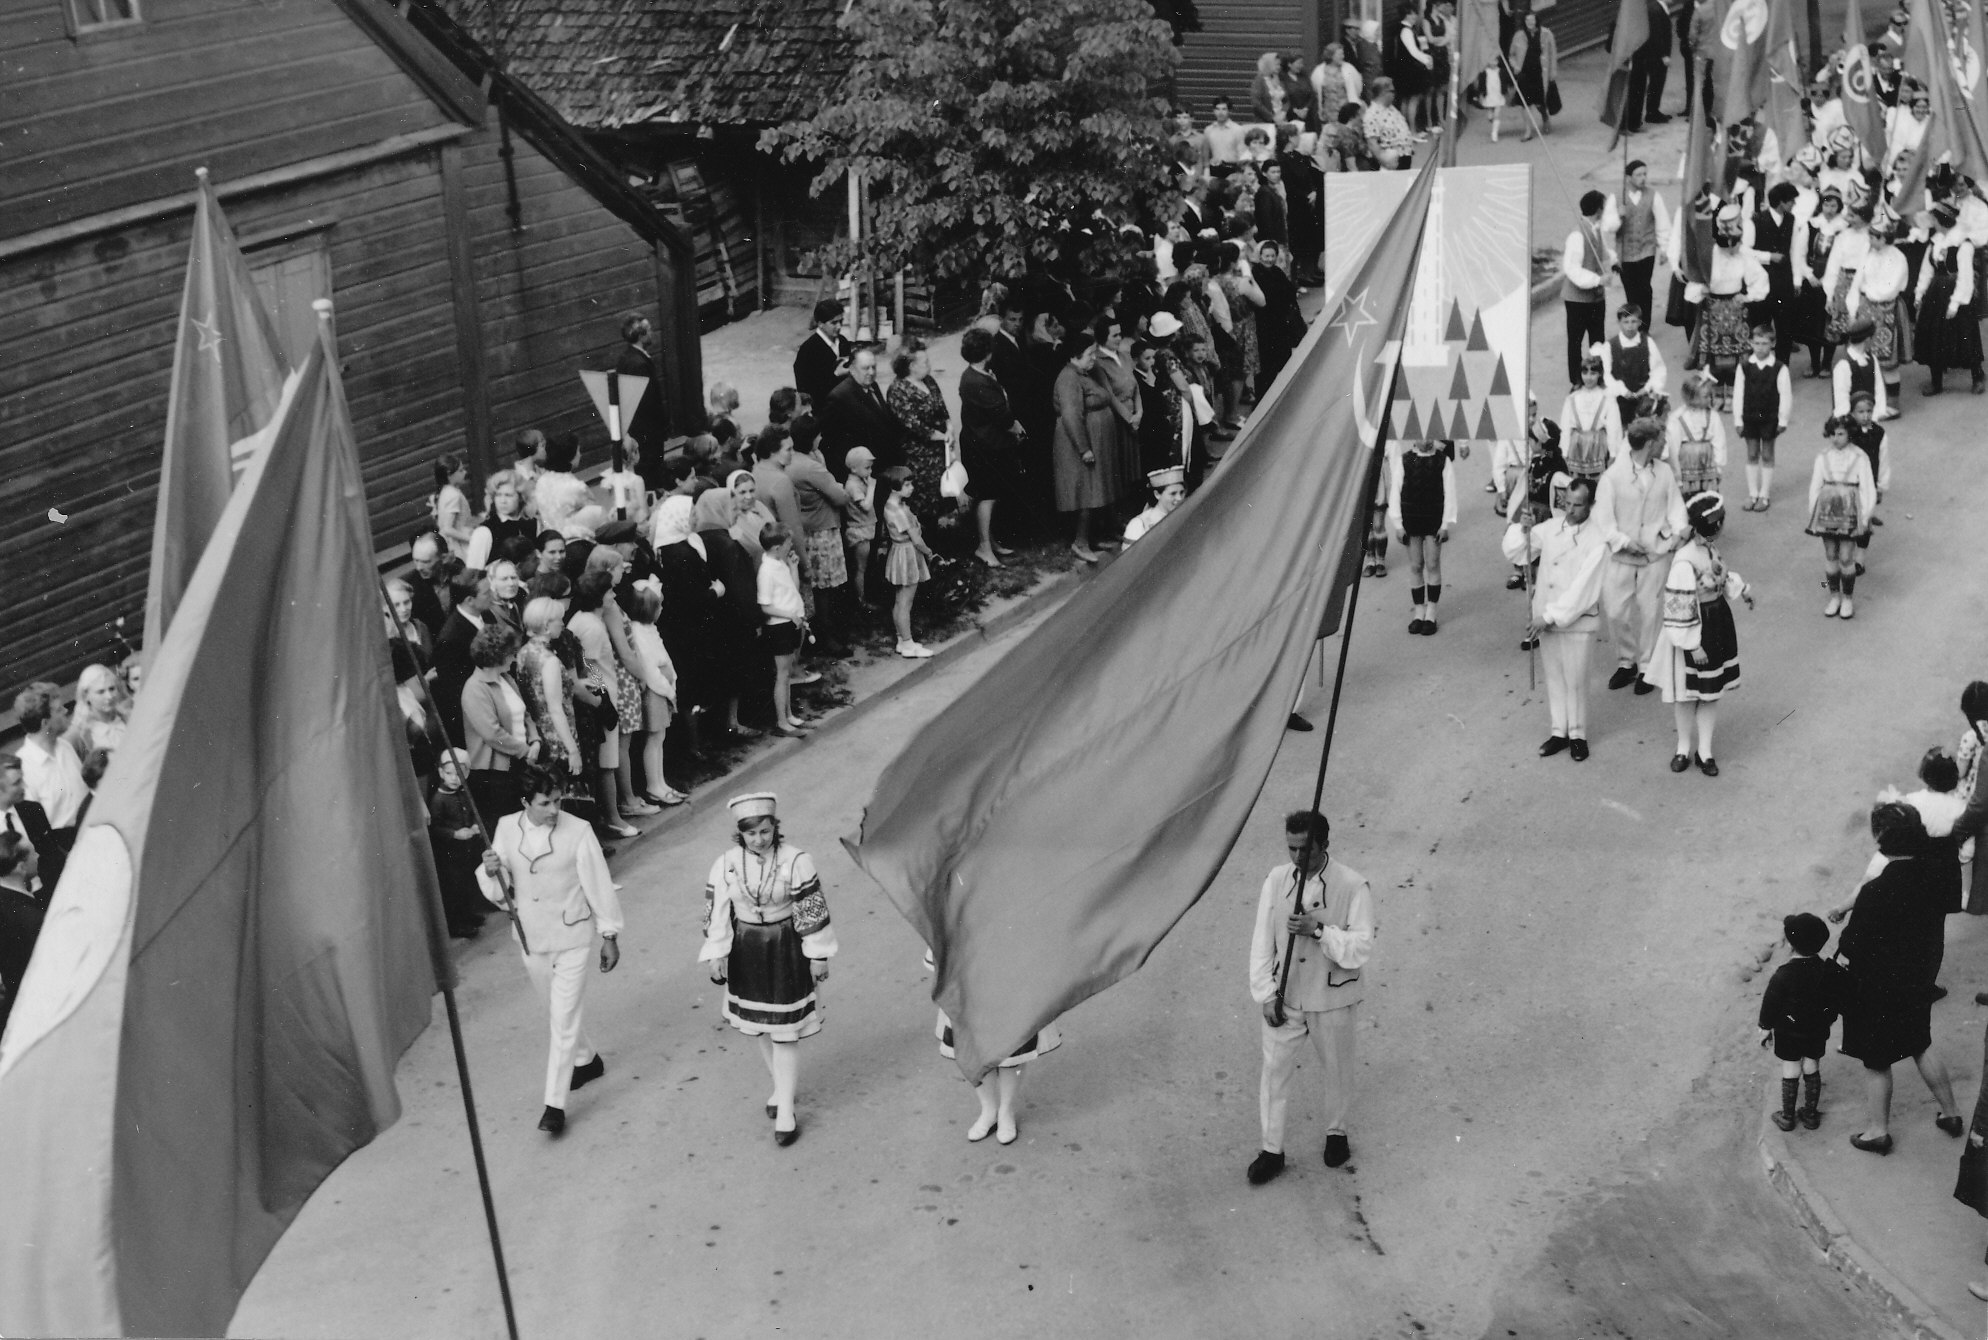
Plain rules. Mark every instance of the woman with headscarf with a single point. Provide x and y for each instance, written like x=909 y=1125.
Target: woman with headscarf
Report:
x=1894 y=943
x=743 y=672
x=692 y=592
x=749 y=514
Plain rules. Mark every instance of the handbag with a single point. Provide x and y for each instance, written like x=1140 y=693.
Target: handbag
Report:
x=1970 y=1188
x=1553 y=98
x=952 y=483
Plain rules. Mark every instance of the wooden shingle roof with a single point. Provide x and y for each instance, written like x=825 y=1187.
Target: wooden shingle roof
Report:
x=605 y=64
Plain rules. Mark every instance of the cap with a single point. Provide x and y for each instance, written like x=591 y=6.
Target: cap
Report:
x=618 y=531
x=1167 y=478
x=758 y=805
x=1883 y=221
x=1944 y=211
x=1729 y=214
x=860 y=456
x=1163 y=326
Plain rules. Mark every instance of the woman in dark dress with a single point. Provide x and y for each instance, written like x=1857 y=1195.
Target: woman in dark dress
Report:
x=692 y=590
x=915 y=398
x=1893 y=945
x=1281 y=324
x=990 y=440
x=741 y=669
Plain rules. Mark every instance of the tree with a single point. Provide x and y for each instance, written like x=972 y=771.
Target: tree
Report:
x=993 y=135
x=1181 y=16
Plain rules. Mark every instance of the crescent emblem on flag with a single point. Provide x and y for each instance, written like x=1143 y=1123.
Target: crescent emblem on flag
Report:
x=1857 y=74
x=1745 y=22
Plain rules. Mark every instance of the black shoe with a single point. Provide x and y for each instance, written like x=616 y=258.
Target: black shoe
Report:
x=785 y=1138
x=1415 y=627
x=1657 y=119
x=1580 y=748
x=1951 y=1124
x=553 y=1122
x=1811 y=1118
x=1981 y=998
x=1296 y=722
x=1516 y=582
x=1644 y=686
x=1980 y=382
x=1264 y=1166
x=1528 y=644
x=1881 y=1145
x=1337 y=1151
x=1624 y=676
x=1785 y=1120
x=1679 y=762
x=583 y=1075
x=1710 y=767
x=1554 y=744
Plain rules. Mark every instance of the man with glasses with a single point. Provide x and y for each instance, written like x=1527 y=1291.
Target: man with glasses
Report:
x=547 y=869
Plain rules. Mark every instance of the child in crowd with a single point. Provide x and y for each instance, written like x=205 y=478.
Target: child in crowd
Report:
x=1169 y=491
x=1869 y=436
x=450 y=505
x=1763 y=398
x=785 y=619
x=1804 y=997
x=906 y=566
x=1593 y=424
x=1856 y=369
x=1842 y=495
x=658 y=689
x=628 y=494
x=1694 y=439
x=454 y=837
x=1421 y=509
x=859 y=519
x=1376 y=564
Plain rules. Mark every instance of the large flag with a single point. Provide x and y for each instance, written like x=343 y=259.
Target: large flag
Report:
x=1632 y=30
x=1047 y=830
x=1863 y=110
x=244 y=941
x=1698 y=201
x=228 y=373
x=1942 y=54
x=1786 y=81
x=1743 y=33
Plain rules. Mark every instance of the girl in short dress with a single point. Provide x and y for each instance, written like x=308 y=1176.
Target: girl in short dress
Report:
x=1842 y=496
x=905 y=568
x=1592 y=423
x=998 y=1092
x=1696 y=658
x=1695 y=439
x=768 y=940
x=1421 y=508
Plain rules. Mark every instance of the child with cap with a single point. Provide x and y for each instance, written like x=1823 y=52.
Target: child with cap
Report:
x=859 y=517
x=1803 y=1000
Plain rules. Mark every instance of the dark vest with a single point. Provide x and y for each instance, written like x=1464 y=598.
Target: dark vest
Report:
x=1630 y=366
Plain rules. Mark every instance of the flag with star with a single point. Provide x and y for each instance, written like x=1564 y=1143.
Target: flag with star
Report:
x=1863 y=110
x=228 y=375
x=1046 y=831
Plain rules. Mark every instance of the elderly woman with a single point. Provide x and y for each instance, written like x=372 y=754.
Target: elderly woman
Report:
x=101 y=711
x=915 y=398
x=1086 y=428
x=503 y=518
x=743 y=671
x=1389 y=139
x=749 y=515
x=1893 y=944
x=1268 y=100
x=507 y=592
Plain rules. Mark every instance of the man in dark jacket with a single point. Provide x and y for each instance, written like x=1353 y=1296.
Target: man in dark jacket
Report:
x=855 y=415
x=23 y=816
x=1648 y=69
x=452 y=664
x=823 y=358
x=649 y=425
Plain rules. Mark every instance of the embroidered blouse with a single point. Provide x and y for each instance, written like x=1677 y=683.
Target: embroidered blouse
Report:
x=1698 y=576
x=763 y=890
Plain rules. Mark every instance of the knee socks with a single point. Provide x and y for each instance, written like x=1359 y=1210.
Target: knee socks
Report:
x=1835 y=580
x=1766 y=479
x=1752 y=480
x=1788 y=1099
x=1811 y=1091
x=1849 y=582
x=1435 y=590
x=1417 y=595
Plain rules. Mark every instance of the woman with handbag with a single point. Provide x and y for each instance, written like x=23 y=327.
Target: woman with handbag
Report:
x=1534 y=61
x=915 y=398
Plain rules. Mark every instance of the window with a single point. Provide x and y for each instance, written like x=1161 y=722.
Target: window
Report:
x=93 y=16
x=290 y=275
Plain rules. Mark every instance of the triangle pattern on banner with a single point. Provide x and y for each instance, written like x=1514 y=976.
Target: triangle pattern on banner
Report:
x=1500 y=383
x=1460 y=425
x=1487 y=428
x=1401 y=390
x=1477 y=340
x=1411 y=430
x=1454 y=331
x=1460 y=384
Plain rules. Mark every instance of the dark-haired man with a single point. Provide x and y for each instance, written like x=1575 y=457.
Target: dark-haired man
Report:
x=1584 y=265
x=1315 y=917
x=855 y=415
x=649 y=425
x=823 y=358
x=1566 y=605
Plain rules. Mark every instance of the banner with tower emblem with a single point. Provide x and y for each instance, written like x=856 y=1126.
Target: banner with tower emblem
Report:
x=1464 y=357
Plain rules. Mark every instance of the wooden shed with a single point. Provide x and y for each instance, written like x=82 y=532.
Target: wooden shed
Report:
x=477 y=249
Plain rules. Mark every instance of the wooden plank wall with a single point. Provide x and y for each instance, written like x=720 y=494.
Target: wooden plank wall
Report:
x=123 y=117
x=1220 y=60
x=552 y=292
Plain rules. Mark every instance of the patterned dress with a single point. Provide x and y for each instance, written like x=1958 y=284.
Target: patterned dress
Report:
x=764 y=918
x=1698 y=616
x=923 y=411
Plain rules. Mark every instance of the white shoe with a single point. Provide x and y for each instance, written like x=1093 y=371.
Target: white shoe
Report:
x=1835 y=604
x=639 y=808
x=801 y=677
x=913 y=651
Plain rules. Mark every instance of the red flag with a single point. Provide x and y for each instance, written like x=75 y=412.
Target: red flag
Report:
x=1698 y=202
x=245 y=938
x=1786 y=82
x=1050 y=827
x=1941 y=55
x=1863 y=111
x=1632 y=30
x=1744 y=34
x=228 y=371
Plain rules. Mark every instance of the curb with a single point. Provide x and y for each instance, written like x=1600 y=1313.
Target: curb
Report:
x=1864 y=1271
x=1053 y=591
x=1543 y=291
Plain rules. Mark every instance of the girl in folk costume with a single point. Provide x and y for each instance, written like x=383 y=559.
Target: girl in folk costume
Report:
x=1846 y=258
x=1696 y=658
x=768 y=940
x=1763 y=398
x=1879 y=292
x=1842 y=496
x=1421 y=508
x=998 y=1092
x=1949 y=330
x=1695 y=439
x=1593 y=419
x=1533 y=484
x=1169 y=490
x=1869 y=437
x=1814 y=236
x=1736 y=281
x=1844 y=171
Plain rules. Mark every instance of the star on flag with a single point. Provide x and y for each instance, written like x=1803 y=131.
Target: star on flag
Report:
x=1353 y=314
x=210 y=336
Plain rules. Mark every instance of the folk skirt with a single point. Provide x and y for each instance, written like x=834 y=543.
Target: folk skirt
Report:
x=769 y=984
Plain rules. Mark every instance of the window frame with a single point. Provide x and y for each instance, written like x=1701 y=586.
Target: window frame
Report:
x=83 y=29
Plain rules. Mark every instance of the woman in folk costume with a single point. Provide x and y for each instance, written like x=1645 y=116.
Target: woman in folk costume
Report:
x=768 y=940
x=1879 y=292
x=1736 y=282
x=1695 y=438
x=1949 y=330
x=999 y=1091
x=1842 y=496
x=1592 y=423
x=1169 y=490
x=1696 y=658
x=1814 y=236
x=1846 y=258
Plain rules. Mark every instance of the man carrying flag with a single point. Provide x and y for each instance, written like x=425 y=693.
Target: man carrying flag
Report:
x=1624 y=90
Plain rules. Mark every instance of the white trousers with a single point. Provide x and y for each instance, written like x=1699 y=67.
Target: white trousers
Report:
x=1632 y=600
x=1564 y=654
x=561 y=979
x=1331 y=1035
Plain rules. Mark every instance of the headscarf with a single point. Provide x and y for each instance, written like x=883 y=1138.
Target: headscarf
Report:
x=716 y=509
x=745 y=526
x=675 y=523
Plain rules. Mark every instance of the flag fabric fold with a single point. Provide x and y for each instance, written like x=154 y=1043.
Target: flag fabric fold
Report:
x=1863 y=110
x=1632 y=30
x=247 y=936
x=1933 y=45
x=1047 y=830
x=1786 y=82
x=228 y=374
x=1698 y=202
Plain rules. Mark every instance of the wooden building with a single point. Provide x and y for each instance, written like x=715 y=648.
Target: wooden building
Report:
x=1220 y=60
x=477 y=249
